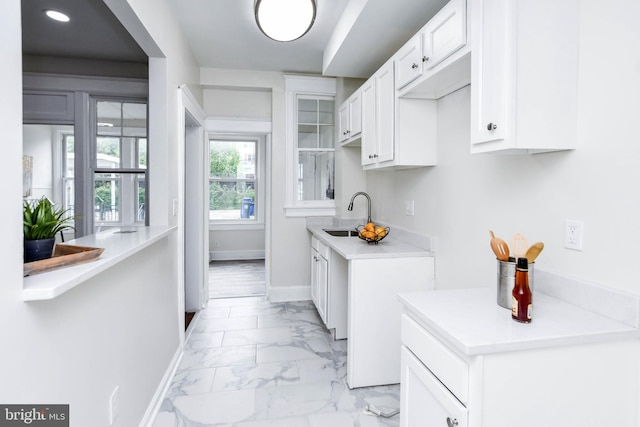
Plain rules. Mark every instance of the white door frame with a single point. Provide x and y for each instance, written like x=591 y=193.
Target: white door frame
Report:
x=193 y=191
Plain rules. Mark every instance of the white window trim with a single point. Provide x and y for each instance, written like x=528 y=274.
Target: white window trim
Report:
x=217 y=128
x=294 y=86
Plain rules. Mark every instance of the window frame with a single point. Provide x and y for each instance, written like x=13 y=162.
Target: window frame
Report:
x=259 y=183
x=132 y=208
x=306 y=86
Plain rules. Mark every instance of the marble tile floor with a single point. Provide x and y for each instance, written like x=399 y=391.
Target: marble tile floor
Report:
x=228 y=279
x=251 y=363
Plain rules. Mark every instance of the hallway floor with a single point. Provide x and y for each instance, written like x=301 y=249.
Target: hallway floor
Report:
x=229 y=279
x=251 y=363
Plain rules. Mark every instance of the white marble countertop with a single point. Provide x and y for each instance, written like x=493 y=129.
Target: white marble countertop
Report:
x=356 y=248
x=471 y=322
x=118 y=244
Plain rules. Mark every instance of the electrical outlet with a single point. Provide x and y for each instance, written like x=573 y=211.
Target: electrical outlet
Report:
x=409 y=207
x=114 y=405
x=573 y=234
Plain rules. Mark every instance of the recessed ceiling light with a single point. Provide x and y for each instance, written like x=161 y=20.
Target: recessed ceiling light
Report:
x=57 y=16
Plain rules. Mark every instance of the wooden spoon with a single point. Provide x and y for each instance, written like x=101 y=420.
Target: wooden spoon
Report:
x=519 y=245
x=500 y=248
x=534 y=251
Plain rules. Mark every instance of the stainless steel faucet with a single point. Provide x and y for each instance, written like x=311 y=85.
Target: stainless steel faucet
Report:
x=350 y=208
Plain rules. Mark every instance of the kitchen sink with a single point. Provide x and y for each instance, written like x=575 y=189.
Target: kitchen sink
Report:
x=341 y=233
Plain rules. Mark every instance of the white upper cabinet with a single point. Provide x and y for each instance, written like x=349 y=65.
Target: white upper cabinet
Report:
x=409 y=61
x=524 y=75
x=350 y=119
x=445 y=33
x=435 y=62
x=378 y=115
x=396 y=133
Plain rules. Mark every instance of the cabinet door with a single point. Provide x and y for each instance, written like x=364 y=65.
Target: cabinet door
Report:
x=424 y=401
x=409 y=62
x=490 y=75
x=355 y=115
x=323 y=287
x=314 y=277
x=385 y=112
x=343 y=122
x=369 y=141
x=445 y=33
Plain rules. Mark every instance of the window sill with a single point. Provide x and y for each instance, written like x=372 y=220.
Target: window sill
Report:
x=118 y=247
x=307 y=211
x=231 y=226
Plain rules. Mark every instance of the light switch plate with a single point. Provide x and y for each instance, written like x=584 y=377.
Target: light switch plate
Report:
x=409 y=207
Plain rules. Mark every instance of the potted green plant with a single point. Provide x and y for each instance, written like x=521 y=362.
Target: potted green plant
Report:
x=41 y=222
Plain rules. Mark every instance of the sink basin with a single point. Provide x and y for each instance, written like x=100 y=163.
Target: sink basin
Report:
x=341 y=233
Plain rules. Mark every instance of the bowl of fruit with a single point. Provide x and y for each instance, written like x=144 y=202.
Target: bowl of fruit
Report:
x=372 y=233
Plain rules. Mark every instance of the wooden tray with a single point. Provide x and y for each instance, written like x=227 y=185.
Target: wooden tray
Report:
x=63 y=256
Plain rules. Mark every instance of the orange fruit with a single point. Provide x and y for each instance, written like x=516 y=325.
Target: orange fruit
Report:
x=370 y=226
x=380 y=232
x=368 y=234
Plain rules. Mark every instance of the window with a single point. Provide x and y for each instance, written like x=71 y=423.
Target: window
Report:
x=233 y=180
x=315 y=144
x=120 y=163
x=310 y=127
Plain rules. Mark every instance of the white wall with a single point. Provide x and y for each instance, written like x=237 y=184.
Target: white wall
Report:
x=38 y=143
x=120 y=328
x=464 y=196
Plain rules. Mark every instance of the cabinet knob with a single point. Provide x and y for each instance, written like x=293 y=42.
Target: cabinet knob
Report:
x=425 y=58
x=452 y=422
x=370 y=156
x=492 y=126
x=414 y=65
x=375 y=156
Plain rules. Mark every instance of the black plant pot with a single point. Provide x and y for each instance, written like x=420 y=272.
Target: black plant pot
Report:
x=35 y=250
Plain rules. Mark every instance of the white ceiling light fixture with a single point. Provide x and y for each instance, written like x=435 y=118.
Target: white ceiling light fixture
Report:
x=56 y=15
x=285 y=20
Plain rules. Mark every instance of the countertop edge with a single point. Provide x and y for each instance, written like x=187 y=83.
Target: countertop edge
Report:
x=81 y=273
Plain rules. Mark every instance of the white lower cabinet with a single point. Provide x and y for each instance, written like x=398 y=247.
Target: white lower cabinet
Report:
x=424 y=400
x=374 y=315
x=319 y=278
x=329 y=287
x=581 y=384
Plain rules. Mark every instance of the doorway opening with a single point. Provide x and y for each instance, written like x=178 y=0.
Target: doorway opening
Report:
x=237 y=212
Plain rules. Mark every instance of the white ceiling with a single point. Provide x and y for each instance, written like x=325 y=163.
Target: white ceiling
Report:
x=350 y=38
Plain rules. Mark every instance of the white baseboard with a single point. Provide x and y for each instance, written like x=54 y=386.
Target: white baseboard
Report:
x=289 y=293
x=235 y=255
x=162 y=390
